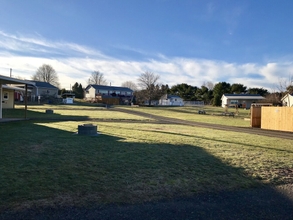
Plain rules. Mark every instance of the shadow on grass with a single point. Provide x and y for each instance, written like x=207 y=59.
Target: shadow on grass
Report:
x=20 y=113
x=52 y=169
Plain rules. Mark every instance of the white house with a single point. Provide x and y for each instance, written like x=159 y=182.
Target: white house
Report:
x=91 y=91
x=287 y=100
x=124 y=95
x=242 y=100
x=171 y=100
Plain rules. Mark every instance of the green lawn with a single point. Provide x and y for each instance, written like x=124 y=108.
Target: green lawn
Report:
x=73 y=112
x=213 y=114
x=44 y=163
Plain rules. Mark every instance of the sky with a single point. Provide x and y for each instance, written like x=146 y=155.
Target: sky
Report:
x=187 y=41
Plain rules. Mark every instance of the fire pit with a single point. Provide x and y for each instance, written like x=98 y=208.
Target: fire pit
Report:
x=49 y=111
x=87 y=129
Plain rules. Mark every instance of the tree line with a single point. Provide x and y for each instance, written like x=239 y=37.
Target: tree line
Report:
x=148 y=87
x=151 y=89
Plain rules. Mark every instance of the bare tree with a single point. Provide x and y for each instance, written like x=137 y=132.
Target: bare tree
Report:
x=290 y=89
x=130 y=85
x=148 y=82
x=97 y=78
x=209 y=85
x=284 y=85
x=147 y=79
x=46 y=73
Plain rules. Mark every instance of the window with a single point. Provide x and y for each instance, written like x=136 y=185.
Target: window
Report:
x=5 y=96
x=103 y=91
x=234 y=101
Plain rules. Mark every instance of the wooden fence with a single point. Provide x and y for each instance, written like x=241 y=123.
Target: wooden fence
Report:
x=255 y=116
x=277 y=118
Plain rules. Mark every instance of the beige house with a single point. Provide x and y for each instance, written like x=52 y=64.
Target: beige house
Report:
x=7 y=94
x=10 y=95
x=287 y=100
x=7 y=97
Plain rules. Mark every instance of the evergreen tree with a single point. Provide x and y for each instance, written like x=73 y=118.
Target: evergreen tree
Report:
x=80 y=91
x=77 y=90
x=220 y=89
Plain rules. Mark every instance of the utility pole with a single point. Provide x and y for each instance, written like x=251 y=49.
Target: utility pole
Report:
x=10 y=72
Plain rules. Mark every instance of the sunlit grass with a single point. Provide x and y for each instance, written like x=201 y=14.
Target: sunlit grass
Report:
x=213 y=114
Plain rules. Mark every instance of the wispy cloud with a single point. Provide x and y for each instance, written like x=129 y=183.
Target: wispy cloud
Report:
x=25 y=54
x=37 y=45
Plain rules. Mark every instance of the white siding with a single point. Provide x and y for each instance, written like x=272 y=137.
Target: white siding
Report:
x=172 y=101
x=224 y=101
x=91 y=94
x=288 y=100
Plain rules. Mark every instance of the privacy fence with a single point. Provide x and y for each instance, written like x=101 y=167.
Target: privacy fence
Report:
x=273 y=118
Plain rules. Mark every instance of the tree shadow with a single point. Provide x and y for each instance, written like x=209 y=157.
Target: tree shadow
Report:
x=33 y=115
x=49 y=171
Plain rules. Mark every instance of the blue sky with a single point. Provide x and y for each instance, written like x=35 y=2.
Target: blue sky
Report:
x=186 y=41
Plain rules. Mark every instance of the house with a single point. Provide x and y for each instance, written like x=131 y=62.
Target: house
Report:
x=153 y=102
x=10 y=95
x=7 y=97
x=44 y=89
x=287 y=100
x=242 y=100
x=108 y=94
x=6 y=94
x=40 y=89
x=171 y=100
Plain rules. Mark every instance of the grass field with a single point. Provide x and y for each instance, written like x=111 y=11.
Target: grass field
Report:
x=44 y=163
x=213 y=114
x=73 y=112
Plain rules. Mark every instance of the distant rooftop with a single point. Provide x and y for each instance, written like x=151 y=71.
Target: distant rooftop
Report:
x=173 y=96
x=113 y=88
x=242 y=95
x=43 y=84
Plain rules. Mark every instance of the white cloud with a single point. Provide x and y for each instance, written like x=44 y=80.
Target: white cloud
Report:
x=78 y=61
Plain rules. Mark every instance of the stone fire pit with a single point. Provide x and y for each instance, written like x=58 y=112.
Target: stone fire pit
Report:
x=87 y=129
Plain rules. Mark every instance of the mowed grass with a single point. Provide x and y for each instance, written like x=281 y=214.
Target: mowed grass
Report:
x=44 y=163
x=213 y=114
x=74 y=112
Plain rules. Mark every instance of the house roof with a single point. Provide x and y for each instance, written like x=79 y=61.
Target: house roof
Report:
x=113 y=88
x=9 y=80
x=173 y=96
x=14 y=88
x=43 y=84
x=243 y=96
